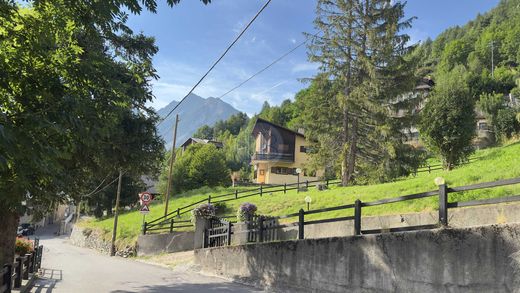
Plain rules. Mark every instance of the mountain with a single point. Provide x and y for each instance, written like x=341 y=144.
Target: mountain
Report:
x=194 y=112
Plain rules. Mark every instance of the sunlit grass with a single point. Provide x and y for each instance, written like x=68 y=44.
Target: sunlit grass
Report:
x=489 y=165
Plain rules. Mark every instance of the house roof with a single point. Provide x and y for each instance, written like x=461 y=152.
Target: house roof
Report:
x=200 y=140
x=277 y=126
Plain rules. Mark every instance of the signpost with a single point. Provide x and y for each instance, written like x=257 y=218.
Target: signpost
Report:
x=145 y=198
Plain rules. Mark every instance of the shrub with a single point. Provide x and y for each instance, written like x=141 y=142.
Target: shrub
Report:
x=23 y=246
x=506 y=124
x=245 y=211
x=204 y=211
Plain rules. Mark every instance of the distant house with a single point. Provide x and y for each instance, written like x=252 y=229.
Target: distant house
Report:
x=279 y=152
x=193 y=140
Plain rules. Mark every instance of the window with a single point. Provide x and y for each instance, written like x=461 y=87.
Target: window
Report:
x=283 y=170
x=303 y=149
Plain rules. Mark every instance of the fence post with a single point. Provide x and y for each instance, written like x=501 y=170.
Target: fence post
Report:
x=301 y=224
x=7 y=277
x=307 y=184
x=260 y=229
x=285 y=188
x=327 y=183
x=261 y=190
x=25 y=273
x=40 y=248
x=209 y=198
x=144 y=228
x=443 y=204
x=205 y=238
x=229 y=225
x=18 y=279
x=31 y=262
x=236 y=193
x=178 y=212
x=171 y=225
x=429 y=169
x=357 y=217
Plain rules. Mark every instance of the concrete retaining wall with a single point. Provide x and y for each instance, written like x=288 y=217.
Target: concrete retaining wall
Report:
x=159 y=243
x=458 y=218
x=479 y=259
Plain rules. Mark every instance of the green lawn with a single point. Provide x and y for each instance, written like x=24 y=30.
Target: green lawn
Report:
x=488 y=165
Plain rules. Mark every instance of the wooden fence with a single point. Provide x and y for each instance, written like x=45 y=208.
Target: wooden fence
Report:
x=167 y=223
x=260 y=229
x=11 y=274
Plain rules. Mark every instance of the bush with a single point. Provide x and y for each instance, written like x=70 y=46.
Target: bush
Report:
x=23 y=246
x=245 y=211
x=506 y=124
x=204 y=211
x=448 y=119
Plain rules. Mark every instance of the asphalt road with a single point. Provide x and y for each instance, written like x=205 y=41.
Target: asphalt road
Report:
x=67 y=268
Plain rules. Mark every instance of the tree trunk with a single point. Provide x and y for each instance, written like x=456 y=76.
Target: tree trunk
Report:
x=8 y=230
x=344 y=155
x=352 y=153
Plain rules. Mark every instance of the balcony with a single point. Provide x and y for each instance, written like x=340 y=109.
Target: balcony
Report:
x=273 y=157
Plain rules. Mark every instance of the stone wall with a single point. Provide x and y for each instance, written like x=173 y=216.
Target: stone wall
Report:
x=479 y=259
x=89 y=238
x=160 y=243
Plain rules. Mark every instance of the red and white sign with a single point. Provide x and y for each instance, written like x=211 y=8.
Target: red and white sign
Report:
x=145 y=197
x=144 y=210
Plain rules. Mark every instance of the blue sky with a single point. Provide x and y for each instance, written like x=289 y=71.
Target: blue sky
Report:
x=191 y=36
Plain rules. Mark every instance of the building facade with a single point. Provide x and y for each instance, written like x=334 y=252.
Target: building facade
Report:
x=279 y=154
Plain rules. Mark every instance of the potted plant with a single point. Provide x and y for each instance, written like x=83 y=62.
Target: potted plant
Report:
x=246 y=211
x=204 y=211
x=23 y=246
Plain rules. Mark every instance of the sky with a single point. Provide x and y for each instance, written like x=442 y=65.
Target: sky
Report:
x=191 y=36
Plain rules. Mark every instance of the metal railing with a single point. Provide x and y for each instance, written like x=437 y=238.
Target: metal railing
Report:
x=272 y=157
x=12 y=274
x=260 y=229
x=164 y=223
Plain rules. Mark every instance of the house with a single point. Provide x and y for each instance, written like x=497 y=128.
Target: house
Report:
x=279 y=152
x=193 y=140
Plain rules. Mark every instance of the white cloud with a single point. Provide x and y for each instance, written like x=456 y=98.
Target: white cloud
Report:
x=305 y=66
x=292 y=40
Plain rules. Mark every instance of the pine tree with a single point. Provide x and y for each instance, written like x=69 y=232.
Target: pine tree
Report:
x=361 y=50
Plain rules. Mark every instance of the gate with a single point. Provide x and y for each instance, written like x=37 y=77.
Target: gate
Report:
x=218 y=233
x=262 y=228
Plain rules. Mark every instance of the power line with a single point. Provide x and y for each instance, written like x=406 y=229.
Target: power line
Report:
x=218 y=60
x=106 y=186
x=264 y=69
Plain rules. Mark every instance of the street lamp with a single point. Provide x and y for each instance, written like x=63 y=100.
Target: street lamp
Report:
x=298 y=171
x=308 y=200
x=439 y=181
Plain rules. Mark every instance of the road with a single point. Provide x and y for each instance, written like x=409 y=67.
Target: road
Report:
x=67 y=268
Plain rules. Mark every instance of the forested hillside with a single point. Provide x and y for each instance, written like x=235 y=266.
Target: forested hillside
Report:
x=351 y=127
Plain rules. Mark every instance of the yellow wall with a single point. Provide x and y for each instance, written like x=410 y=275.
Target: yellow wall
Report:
x=300 y=159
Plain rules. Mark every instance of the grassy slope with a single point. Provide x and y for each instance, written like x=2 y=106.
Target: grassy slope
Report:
x=489 y=165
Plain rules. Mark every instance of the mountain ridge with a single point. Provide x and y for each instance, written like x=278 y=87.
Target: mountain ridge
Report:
x=194 y=112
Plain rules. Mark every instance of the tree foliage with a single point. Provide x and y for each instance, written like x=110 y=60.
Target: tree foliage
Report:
x=74 y=84
x=198 y=166
x=361 y=50
x=448 y=118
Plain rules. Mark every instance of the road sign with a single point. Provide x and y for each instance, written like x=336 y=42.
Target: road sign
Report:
x=144 y=210
x=145 y=197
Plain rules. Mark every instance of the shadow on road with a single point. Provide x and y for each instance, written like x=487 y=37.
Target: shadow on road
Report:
x=194 y=288
x=47 y=280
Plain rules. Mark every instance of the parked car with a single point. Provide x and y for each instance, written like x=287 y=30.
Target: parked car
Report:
x=25 y=229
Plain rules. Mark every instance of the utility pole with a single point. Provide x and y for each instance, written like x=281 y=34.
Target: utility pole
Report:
x=172 y=160
x=116 y=213
x=492 y=59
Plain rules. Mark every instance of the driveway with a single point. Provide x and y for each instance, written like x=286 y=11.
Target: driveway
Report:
x=67 y=268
